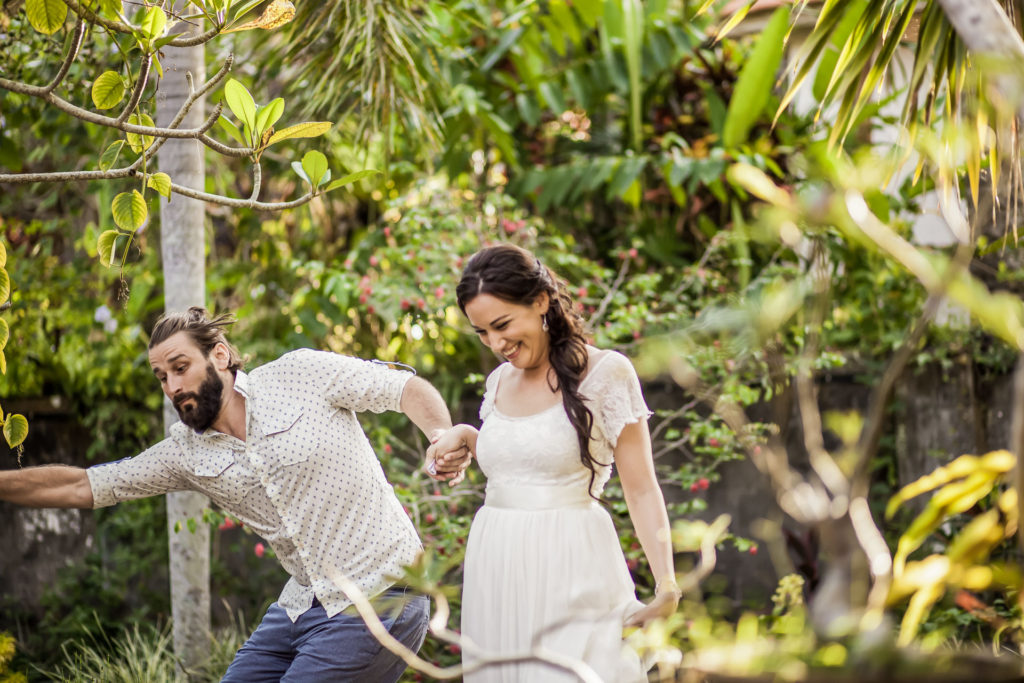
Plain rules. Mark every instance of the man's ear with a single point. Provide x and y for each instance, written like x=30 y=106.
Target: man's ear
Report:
x=220 y=356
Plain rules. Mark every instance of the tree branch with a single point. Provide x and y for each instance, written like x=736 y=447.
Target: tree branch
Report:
x=69 y=58
x=121 y=27
x=140 y=85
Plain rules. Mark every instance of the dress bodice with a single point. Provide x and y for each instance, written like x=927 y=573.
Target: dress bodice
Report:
x=542 y=449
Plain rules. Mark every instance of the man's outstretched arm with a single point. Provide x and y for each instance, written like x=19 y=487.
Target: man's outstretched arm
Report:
x=422 y=404
x=48 y=486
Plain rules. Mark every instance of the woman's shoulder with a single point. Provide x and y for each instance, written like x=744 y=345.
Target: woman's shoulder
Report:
x=608 y=363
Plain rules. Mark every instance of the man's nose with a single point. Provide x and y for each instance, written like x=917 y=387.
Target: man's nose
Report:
x=173 y=386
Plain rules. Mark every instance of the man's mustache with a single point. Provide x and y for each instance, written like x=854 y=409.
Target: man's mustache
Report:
x=181 y=398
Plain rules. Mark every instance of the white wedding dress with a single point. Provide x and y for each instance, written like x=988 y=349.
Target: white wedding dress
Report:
x=544 y=569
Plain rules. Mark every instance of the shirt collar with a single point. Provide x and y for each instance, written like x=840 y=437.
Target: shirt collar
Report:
x=242 y=383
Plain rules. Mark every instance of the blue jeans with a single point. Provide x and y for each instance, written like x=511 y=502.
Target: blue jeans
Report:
x=316 y=648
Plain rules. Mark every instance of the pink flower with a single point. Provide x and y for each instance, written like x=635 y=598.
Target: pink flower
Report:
x=581 y=292
x=387 y=231
x=374 y=260
x=259 y=549
x=439 y=292
x=633 y=253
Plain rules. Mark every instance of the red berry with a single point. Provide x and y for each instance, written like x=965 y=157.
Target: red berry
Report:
x=259 y=549
x=374 y=260
x=429 y=518
x=753 y=550
x=405 y=304
x=632 y=564
x=421 y=304
x=633 y=253
x=387 y=231
x=371 y=310
x=363 y=298
x=703 y=483
x=713 y=442
x=581 y=292
x=454 y=647
x=387 y=448
x=439 y=292
x=694 y=487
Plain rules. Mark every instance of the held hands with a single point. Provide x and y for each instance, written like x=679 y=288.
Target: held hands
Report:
x=449 y=455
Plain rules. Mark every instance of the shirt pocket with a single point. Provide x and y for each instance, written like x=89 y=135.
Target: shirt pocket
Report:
x=288 y=439
x=222 y=479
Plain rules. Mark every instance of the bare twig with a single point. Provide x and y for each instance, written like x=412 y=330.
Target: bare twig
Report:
x=140 y=85
x=439 y=627
x=619 y=279
x=69 y=58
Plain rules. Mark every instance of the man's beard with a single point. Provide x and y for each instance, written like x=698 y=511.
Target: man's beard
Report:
x=201 y=415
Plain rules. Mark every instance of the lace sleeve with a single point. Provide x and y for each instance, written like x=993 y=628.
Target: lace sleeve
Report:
x=619 y=398
x=490 y=388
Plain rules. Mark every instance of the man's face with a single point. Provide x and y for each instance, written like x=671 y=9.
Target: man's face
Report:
x=189 y=379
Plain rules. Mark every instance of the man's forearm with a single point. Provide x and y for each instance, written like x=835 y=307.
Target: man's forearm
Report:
x=422 y=404
x=49 y=486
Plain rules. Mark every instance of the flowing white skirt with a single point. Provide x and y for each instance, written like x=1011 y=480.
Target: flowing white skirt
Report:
x=552 y=580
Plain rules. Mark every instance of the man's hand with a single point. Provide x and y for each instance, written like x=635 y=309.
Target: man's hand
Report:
x=449 y=455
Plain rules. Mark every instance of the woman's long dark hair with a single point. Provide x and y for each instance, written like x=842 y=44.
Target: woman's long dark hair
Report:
x=513 y=274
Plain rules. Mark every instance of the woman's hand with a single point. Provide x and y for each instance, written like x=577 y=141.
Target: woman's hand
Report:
x=662 y=606
x=449 y=455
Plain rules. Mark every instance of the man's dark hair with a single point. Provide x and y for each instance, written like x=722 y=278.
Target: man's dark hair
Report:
x=204 y=331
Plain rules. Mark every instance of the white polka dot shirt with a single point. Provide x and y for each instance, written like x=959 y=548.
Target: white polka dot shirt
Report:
x=306 y=479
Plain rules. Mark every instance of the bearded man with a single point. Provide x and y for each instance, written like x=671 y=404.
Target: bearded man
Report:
x=281 y=449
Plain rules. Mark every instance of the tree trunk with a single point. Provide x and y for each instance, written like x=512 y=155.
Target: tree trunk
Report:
x=983 y=27
x=182 y=243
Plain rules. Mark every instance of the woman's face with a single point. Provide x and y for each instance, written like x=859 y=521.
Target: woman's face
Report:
x=513 y=331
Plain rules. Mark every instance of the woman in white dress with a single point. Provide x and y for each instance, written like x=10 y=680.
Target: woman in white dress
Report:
x=544 y=569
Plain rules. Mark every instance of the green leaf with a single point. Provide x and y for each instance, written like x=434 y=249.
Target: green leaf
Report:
x=297 y=167
x=15 y=426
x=137 y=142
x=351 y=178
x=160 y=43
x=268 y=116
x=309 y=129
x=110 y=155
x=3 y=255
x=231 y=129
x=105 y=246
x=46 y=16
x=241 y=103
x=107 y=90
x=314 y=163
x=756 y=80
x=5 y=333
x=153 y=23
x=5 y=286
x=129 y=210
x=161 y=182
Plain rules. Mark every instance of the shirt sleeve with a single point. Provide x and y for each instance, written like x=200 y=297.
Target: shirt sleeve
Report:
x=151 y=473
x=361 y=385
x=619 y=398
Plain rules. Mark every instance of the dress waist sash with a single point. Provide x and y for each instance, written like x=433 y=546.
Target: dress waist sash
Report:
x=537 y=497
